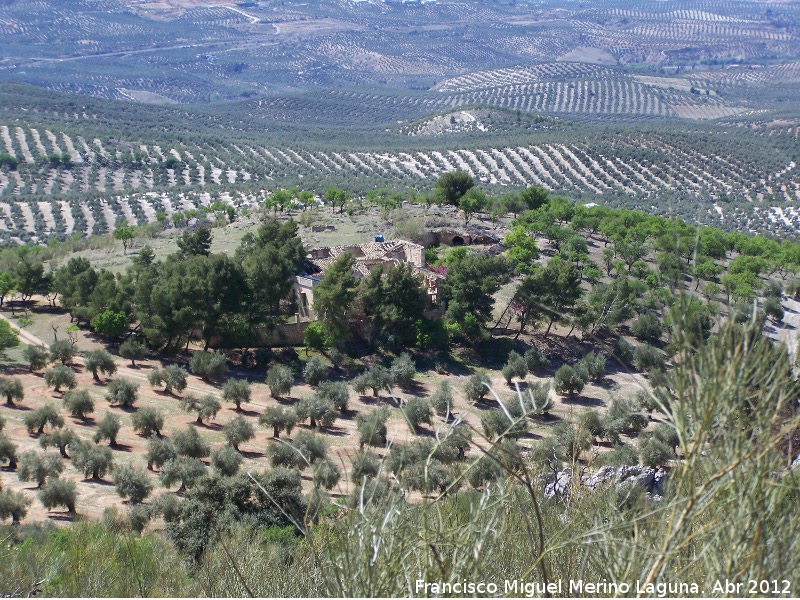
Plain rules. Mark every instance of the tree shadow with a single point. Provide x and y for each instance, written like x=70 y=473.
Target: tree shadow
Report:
x=12 y=370
x=211 y=426
x=126 y=408
x=251 y=454
x=66 y=517
x=21 y=407
x=85 y=422
x=248 y=413
x=101 y=482
x=121 y=447
x=579 y=400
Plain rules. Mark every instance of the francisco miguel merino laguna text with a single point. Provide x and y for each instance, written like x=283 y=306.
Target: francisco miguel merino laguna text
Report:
x=520 y=587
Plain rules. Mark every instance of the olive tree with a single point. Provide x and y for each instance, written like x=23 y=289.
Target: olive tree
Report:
x=60 y=376
x=226 y=461
x=172 y=377
x=371 y=427
x=315 y=371
x=79 y=404
x=236 y=391
x=184 y=470
x=238 y=431
x=189 y=443
x=279 y=419
x=14 y=505
x=133 y=350
x=37 y=357
x=8 y=452
x=37 y=467
x=122 y=392
x=148 y=421
x=99 y=360
x=36 y=421
x=58 y=492
x=132 y=484
x=92 y=460
x=210 y=366
x=206 y=407
x=107 y=429
x=61 y=439
x=279 y=380
x=62 y=351
x=12 y=389
x=159 y=452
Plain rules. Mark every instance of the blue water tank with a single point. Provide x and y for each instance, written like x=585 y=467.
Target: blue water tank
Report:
x=379 y=238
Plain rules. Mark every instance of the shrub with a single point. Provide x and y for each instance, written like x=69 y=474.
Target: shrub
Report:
x=336 y=393
x=58 y=492
x=159 y=452
x=132 y=484
x=62 y=351
x=238 y=431
x=13 y=505
x=60 y=375
x=315 y=371
x=12 y=389
x=189 y=443
x=36 y=421
x=279 y=419
x=485 y=470
x=226 y=461
x=122 y=392
x=623 y=352
x=646 y=358
x=8 y=452
x=595 y=365
x=208 y=365
x=365 y=464
x=61 y=439
x=536 y=360
x=319 y=411
x=92 y=460
x=138 y=517
x=184 y=470
x=515 y=367
x=314 y=337
x=622 y=417
x=403 y=370
x=442 y=399
x=236 y=391
x=37 y=467
x=326 y=474
x=376 y=379
x=79 y=404
x=647 y=327
x=568 y=381
x=133 y=350
x=279 y=380
x=774 y=309
x=653 y=452
x=99 y=360
x=477 y=386
x=620 y=456
x=418 y=411
x=37 y=357
x=496 y=424
x=107 y=429
x=172 y=377
x=667 y=434
x=570 y=441
x=206 y=407
x=536 y=399
x=591 y=423
x=148 y=421
x=372 y=427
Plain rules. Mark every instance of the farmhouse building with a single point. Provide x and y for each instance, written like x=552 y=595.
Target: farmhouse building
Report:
x=368 y=256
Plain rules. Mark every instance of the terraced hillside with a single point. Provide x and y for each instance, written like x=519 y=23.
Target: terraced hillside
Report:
x=86 y=167
x=198 y=51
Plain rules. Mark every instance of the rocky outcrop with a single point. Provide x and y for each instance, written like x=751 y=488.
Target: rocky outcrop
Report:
x=559 y=485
